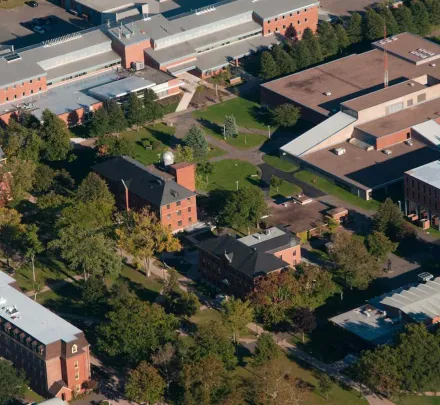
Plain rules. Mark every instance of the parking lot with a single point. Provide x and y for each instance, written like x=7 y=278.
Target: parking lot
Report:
x=17 y=28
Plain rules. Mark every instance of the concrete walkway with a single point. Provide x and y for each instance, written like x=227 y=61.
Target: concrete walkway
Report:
x=189 y=89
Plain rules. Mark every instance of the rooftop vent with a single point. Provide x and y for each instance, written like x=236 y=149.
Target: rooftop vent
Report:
x=2 y=301
x=61 y=40
x=339 y=151
x=432 y=64
x=205 y=10
x=328 y=93
x=411 y=84
x=10 y=57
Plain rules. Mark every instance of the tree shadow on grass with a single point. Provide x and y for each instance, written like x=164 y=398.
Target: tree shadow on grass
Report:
x=212 y=126
x=261 y=115
x=167 y=139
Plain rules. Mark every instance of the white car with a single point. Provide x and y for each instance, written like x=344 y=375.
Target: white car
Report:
x=39 y=30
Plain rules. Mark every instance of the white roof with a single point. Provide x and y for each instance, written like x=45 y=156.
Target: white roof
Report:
x=256 y=238
x=318 y=134
x=429 y=130
x=121 y=87
x=420 y=302
x=429 y=173
x=53 y=401
x=31 y=317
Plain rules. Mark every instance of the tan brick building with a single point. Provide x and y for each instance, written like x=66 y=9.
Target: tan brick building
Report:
x=234 y=265
x=53 y=353
x=170 y=194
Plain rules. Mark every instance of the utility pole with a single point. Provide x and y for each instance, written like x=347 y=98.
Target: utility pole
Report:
x=224 y=132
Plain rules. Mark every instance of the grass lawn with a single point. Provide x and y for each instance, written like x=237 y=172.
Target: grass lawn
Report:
x=286 y=189
x=32 y=396
x=227 y=172
x=339 y=192
x=146 y=288
x=205 y=316
x=434 y=232
x=242 y=141
x=247 y=113
x=160 y=132
x=337 y=394
x=417 y=400
x=279 y=163
x=214 y=152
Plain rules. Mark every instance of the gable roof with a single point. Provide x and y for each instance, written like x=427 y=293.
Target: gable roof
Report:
x=248 y=260
x=155 y=189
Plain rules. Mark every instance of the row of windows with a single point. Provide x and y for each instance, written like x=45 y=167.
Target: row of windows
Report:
x=290 y=15
x=25 y=339
x=24 y=94
x=179 y=213
x=22 y=83
x=178 y=203
x=180 y=223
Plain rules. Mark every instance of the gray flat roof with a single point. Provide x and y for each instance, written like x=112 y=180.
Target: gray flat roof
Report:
x=120 y=88
x=172 y=53
x=269 y=8
x=261 y=237
x=318 y=134
x=42 y=324
x=429 y=174
x=109 y=5
x=430 y=130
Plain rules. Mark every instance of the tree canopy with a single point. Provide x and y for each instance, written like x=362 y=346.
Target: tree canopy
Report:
x=55 y=136
x=13 y=382
x=195 y=139
x=285 y=115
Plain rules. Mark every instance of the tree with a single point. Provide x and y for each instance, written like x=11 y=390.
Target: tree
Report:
x=134 y=329
x=341 y=34
x=184 y=154
x=332 y=224
x=32 y=246
x=420 y=17
x=195 y=139
x=404 y=19
x=205 y=169
x=100 y=122
x=324 y=383
x=213 y=339
x=268 y=67
x=18 y=175
x=266 y=350
x=283 y=60
x=144 y=384
x=433 y=7
x=189 y=304
x=303 y=320
x=55 y=136
x=273 y=385
x=276 y=182
x=356 y=267
x=379 y=245
x=110 y=145
x=21 y=142
x=302 y=55
x=171 y=282
x=10 y=230
x=285 y=115
x=134 y=112
x=313 y=44
x=236 y=314
x=373 y=25
x=390 y=22
x=93 y=189
x=230 y=127
x=13 y=382
x=166 y=362
x=94 y=293
x=354 y=28
x=388 y=219
x=44 y=178
x=116 y=118
x=143 y=236
x=327 y=39
x=153 y=110
x=245 y=208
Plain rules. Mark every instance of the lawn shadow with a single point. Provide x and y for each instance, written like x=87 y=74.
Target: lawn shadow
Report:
x=212 y=126
x=167 y=139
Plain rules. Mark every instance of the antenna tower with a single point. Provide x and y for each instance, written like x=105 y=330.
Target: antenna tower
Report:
x=385 y=56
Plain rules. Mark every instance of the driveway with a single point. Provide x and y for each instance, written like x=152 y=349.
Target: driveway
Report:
x=16 y=30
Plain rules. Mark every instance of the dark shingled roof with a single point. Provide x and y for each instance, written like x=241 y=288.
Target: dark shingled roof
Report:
x=156 y=190
x=248 y=260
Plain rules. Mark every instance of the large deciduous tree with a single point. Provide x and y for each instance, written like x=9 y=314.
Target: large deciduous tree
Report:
x=303 y=320
x=55 y=136
x=18 y=176
x=286 y=115
x=236 y=314
x=144 y=384
x=100 y=122
x=379 y=245
x=13 y=382
x=142 y=236
x=153 y=110
x=134 y=111
x=266 y=349
x=116 y=118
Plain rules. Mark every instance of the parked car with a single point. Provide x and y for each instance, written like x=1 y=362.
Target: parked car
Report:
x=39 y=30
x=33 y=3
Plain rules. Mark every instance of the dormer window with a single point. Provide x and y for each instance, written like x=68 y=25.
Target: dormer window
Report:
x=74 y=349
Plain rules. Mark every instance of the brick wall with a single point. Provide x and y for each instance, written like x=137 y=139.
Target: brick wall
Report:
x=392 y=139
x=23 y=89
x=131 y=53
x=290 y=255
x=185 y=174
x=422 y=193
x=300 y=20
x=180 y=214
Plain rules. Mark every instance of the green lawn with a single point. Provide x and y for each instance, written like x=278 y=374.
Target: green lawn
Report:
x=159 y=132
x=433 y=232
x=241 y=141
x=247 y=113
x=214 y=152
x=227 y=172
x=206 y=315
x=147 y=288
x=279 y=163
x=339 y=192
x=417 y=400
x=32 y=396
x=286 y=190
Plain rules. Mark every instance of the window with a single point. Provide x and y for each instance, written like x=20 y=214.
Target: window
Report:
x=268 y=31
x=30 y=81
x=15 y=86
x=169 y=216
x=190 y=220
x=297 y=12
x=306 y=19
x=74 y=349
x=179 y=203
x=189 y=209
x=268 y=21
x=305 y=10
x=6 y=88
x=276 y=19
x=22 y=83
x=77 y=388
x=7 y=98
x=75 y=364
x=299 y=22
x=284 y=27
x=409 y=103
x=421 y=97
x=179 y=223
x=188 y=199
x=39 y=79
x=77 y=375
x=168 y=206
x=179 y=213
x=284 y=17
x=32 y=92
x=39 y=88
x=276 y=29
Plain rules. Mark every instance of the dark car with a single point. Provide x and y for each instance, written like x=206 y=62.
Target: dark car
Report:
x=33 y=3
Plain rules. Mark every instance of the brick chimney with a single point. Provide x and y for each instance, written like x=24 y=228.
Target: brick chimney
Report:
x=185 y=174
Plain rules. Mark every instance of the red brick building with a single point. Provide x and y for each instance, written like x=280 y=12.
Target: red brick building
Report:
x=53 y=353
x=171 y=194
x=233 y=265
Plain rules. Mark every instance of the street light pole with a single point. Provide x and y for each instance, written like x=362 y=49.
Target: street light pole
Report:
x=268 y=128
x=237 y=184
